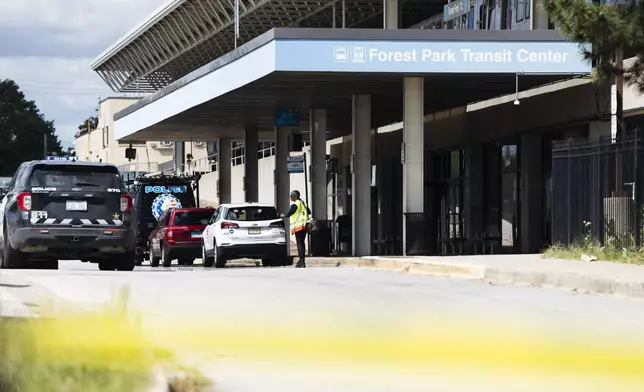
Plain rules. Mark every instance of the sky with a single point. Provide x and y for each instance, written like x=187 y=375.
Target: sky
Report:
x=46 y=46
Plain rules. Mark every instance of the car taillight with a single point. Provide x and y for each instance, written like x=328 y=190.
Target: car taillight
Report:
x=24 y=201
x=126 y=203
x=277 y=224
x=229 y=225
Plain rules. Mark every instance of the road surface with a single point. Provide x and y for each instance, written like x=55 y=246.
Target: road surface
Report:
x=358 y=298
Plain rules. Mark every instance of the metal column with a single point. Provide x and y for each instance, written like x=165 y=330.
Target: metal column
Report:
x=318 y=164
x=223 y=168
x=361 y=179
x=281 y=176
x=251 y=181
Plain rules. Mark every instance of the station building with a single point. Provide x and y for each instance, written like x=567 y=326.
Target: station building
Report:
x=427 y=127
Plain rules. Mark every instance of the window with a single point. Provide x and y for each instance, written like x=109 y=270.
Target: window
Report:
x=237 y=153
x=528 y=7
x=251 y=214
x=76 y=175
x=106 y=136
x=482 y=18
x=519 y=10
x=194 y=217
x=266 y=149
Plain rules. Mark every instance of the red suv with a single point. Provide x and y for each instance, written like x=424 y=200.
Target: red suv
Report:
x=178 y=236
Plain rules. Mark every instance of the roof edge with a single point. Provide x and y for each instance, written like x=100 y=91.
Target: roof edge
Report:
x=136 y=32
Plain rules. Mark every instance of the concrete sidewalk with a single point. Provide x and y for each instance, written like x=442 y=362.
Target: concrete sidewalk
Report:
x=592 y=277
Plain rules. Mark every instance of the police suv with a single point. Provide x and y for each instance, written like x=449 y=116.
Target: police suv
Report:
x=66 y=210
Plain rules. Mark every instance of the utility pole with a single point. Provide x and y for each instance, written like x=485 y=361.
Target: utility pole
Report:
x=45 y=146
x=617 y=128
x=89 y=135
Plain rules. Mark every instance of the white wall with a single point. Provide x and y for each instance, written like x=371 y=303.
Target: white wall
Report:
x=266 y=167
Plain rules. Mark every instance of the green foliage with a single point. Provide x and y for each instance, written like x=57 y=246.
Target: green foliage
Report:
x=93 y=124
x=22 y=129
x=606 y=27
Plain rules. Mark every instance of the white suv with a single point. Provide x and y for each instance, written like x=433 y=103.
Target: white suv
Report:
x=245 y=230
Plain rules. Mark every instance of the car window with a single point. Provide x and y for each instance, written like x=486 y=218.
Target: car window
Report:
x=75 y=176
x=250 y=214
x=215 y=217
x=165 y=218
x=198 y=217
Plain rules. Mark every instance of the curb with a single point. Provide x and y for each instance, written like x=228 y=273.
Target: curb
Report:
x=494 y=275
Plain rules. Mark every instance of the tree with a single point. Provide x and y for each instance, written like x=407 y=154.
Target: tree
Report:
x=23 y=129
x=93 y=123
x=607 y=27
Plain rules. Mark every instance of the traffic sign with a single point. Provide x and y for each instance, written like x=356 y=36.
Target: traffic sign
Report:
x=295 y=164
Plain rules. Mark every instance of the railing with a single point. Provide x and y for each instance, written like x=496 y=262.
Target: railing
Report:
x=596 y=191
x=144 y=167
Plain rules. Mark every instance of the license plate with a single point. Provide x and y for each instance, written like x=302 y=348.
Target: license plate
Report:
x=254 y=231
x=76 y=205
x=196 y=234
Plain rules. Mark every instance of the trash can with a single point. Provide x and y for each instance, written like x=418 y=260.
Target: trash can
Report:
x=343 y=223
x=321 y=241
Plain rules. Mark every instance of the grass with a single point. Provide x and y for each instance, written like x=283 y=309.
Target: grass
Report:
x=103 y=350
x=593 y=248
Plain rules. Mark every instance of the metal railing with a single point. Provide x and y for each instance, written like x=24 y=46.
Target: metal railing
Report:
x=596 y=191
x=147 y=167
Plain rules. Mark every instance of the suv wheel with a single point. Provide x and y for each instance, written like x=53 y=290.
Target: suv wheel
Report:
x=126 y=262
x=220 y=260
x=166 y=257
x=106 y=265
x=207 y=261
x=11 y=258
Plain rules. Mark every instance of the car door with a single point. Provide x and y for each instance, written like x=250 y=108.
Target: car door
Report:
x=209 y=232
x=11 y=191
x=156 y=237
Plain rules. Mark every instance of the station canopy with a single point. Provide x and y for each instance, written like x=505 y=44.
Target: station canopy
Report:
x=184 y=35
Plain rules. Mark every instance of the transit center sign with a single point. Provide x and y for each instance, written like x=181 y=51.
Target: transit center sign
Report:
x=431 y=57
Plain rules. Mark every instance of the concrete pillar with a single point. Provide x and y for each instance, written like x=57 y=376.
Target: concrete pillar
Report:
x=391 y=16
x=282 y=179
x=361 y=178
x=224 y=164
x=318 y=164
x=251 y=146
x=179 y=157
x=531 y=194
x=413 y=149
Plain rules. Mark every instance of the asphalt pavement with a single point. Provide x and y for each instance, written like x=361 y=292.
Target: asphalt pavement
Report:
x=359 y=298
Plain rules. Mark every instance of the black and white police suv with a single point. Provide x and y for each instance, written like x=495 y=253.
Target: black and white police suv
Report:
x=66 y=210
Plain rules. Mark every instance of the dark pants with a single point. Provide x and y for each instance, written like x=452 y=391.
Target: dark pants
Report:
x=300 y=240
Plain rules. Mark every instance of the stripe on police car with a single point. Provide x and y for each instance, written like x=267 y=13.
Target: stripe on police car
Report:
x=66 y=221
x=117 y=222
x=101 y=221
x=86 y=221
x=49 y=221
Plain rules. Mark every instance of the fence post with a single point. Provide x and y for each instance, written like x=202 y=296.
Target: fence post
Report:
x=568 y=242
x=636 y=186
x=600 y=202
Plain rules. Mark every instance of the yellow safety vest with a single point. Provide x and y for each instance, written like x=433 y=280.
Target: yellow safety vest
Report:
x=300 y=217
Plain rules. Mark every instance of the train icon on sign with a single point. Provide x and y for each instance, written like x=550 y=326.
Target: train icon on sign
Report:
x=357 y=55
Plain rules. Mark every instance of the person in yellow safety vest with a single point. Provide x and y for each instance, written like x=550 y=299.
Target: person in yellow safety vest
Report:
x=298 y=216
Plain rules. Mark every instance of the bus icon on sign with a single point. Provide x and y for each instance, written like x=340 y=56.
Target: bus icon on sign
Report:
x=340 y=54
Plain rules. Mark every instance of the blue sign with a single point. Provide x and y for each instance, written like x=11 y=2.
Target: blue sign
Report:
x=295 y=164
x=455 y=9
x=166 y=189
x=430 y=57
x=287 y=118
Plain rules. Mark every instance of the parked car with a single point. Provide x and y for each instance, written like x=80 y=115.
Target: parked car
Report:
x=67 y=210
x=245 y=230
x=178 y=236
